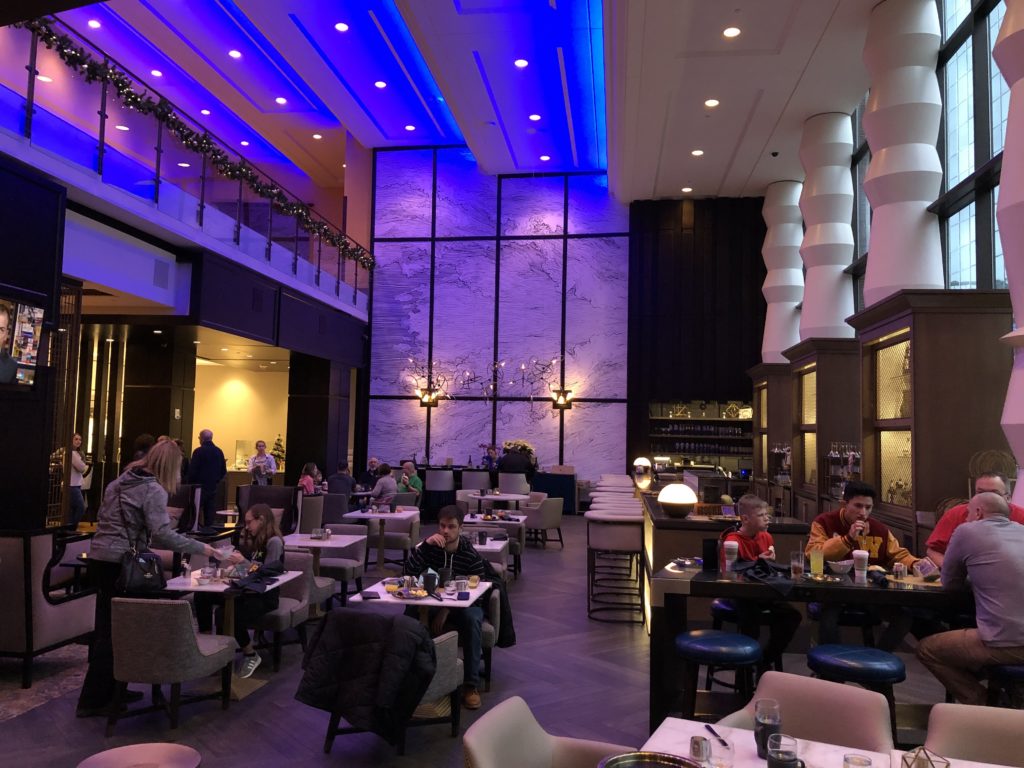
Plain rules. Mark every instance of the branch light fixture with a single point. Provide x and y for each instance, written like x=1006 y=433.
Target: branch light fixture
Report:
x=428 y=396
x=561 y=399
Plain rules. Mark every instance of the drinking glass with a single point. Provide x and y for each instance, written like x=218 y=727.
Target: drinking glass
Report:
x=782 y=752
x=856 y=761
x=722 y=754
x=796 y=564
x=767 y=721
x=817 y=561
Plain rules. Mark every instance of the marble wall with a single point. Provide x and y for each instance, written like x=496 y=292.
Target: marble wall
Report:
x=521 y=264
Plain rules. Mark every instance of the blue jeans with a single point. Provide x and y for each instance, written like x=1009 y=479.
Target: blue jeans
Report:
x=469 y=623
x=77 y=504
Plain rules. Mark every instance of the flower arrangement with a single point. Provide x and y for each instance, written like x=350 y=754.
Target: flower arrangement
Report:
x=520 y=446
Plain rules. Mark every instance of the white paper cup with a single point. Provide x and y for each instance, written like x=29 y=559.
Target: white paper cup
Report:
x=860 y=559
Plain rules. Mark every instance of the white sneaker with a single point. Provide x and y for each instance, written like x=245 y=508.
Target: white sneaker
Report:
x=249 y=665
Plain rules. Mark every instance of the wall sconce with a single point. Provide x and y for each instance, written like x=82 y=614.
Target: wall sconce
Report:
x=428 y=396
x=677 y=499
x=561 y=399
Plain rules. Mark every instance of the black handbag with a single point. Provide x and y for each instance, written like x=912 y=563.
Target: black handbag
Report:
x=142 y=571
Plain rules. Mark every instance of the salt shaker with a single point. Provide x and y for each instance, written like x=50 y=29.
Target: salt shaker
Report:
x=700 y=749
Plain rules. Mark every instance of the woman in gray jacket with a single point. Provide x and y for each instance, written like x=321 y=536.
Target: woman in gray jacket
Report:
x=134 y=511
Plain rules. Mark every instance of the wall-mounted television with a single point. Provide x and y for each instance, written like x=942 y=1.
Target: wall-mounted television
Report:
x=21 y=332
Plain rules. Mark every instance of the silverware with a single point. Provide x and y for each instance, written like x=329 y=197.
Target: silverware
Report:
x=715 y=733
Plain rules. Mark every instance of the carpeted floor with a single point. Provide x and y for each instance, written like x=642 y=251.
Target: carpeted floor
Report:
x=53 y=675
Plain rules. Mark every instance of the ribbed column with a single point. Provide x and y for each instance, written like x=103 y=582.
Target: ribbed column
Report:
x=902 y=124
x=784 y=284
x=1009 y=55
x=826 y=202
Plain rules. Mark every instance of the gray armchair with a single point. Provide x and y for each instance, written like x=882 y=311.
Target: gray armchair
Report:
x=172 y=655
x=292 y=610
x=406 y=499
x=311 y=513
x=345 y=564
x=442 y=701
x=978 y=734
x=547 y=516
x=398 y=535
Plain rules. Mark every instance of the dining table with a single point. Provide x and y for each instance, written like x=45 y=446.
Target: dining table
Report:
x=317 y=546
x=672 y=586
x=514 y=524
x=382 y=517
x=493 y=550
x=480 y=498
x=441 y=599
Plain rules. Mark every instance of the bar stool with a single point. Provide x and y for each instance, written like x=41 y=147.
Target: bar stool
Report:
x=438 y=491
x=1004 y=677
x=718 y=649
x=870 y=668
x=614 y=570
x=724 y=611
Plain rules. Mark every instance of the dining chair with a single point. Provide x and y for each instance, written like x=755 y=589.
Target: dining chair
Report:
x=547 y=516
x=335 y=507
x=803 y=700
x=398 y=535
x=473 y=480
x=509 y=736
x=405 y=499
x=155 y=643
x=513 y=482
x=978 y=734
x=292 y=610
x=311 y=514
x=345 y=564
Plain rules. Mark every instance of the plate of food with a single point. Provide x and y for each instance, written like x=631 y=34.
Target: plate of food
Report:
x=822 y=578
x=688 y=562
x=411 y=593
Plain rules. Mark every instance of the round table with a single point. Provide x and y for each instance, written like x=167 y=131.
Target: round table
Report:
x=516 y=497
x=156 y=755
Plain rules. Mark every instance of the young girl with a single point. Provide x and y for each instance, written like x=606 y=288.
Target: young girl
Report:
x=309 y=479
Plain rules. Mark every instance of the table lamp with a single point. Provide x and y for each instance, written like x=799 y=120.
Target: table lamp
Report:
x=677 y=499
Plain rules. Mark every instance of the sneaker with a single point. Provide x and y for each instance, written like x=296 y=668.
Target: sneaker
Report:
x=249 y=664
x=470 y=697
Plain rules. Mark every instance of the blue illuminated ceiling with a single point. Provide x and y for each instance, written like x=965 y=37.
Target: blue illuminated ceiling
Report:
x=273 y=74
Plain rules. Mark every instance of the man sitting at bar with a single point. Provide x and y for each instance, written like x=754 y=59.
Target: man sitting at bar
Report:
x=988 y=552
x=988 y=482
x=756 y=543
x=850 y=527
x=448 y=548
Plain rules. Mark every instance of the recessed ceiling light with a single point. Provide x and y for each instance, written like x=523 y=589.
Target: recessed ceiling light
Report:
x=273 y=362
x=235 y=54
x=157 y=332
x=197 y=342
x=110 y=341
x=731 y=32
x=44 y=79
x=317 y=136
x=381 y=84
x=410 y=127
x=687 y=189
x=122 y=127
x=344 y=165
x=521 y=63
x=184 y=165
x=341 y=26
x=204 y=111
x=93 y=24
x=535 y=118
x=244 y=143
x=545 y=158
x=697 y=152
x=223 y=349
x=711 y=103
x=249 y=356
x=156 y=73
x=281 y=100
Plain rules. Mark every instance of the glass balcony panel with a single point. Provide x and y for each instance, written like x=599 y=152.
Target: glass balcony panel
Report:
x=129 y=159
x=15 y=45
x=220 y=215
x=181 y=182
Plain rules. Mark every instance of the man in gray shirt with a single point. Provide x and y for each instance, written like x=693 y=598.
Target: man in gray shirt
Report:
x=988 y=550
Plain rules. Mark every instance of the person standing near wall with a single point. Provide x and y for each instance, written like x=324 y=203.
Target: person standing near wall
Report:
x=207 y=468
x=78 y=470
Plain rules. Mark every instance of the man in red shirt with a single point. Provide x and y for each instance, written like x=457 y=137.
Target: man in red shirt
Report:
x=756 y=543
x=988 y=482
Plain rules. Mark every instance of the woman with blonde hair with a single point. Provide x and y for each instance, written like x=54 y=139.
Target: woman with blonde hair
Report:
x=133 y=513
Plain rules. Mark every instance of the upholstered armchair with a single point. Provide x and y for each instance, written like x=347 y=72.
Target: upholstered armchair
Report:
x=398 y=535
x=292 y=610
x=547 y=516
x=36 y=618
x=154 y=643
x=509 y=736
x=978 y=734
x=284 y=501
x=345 y=564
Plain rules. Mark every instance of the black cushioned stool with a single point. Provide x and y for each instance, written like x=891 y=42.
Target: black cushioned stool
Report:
x=718 y=649
x=870 y=668
x=1004 y=677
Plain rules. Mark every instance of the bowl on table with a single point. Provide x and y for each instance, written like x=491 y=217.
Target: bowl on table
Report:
x=840 y=566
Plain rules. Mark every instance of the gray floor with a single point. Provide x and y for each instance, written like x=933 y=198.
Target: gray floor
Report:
x=580 y=677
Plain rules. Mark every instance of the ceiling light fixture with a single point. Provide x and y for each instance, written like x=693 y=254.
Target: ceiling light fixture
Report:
x=687 y=189
x=122 y=127
x=156 y=73
x=535 y=118
x=44 y=79
x=223 y=349
x=281 y=100
x=244 y=143
x=381 y=84
x=184 y=165
x=521 y=63
x=344 y=165
x=711 y=103
x=317 y=136
x=235 y=54
x=731 y=32
x=204 y=112
x=410 y=127
x=341 y=26
x=545 y=158
x=697 y=152
x=93 y=24
x=157 y=331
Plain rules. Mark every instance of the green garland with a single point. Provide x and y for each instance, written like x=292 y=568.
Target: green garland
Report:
x=91 y=70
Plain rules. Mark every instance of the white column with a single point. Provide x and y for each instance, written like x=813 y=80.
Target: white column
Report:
x=784 y=284
x=826 y=148
x=902 y=124
x=1009 y=55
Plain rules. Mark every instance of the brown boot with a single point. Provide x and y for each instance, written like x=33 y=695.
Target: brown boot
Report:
x=470 y=697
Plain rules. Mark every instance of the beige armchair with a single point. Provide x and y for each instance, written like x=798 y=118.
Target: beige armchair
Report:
x=311 y=513
x=509 y=736
x=442 y=701
x=172 y=655
x=37 y=619
x=864 y=725
x=978 y=734
x=546 y=517
x=398 y=535
x=405 y=499
x=345 y=564
x=292 y=610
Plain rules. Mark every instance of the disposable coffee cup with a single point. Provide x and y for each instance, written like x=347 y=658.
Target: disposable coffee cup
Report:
x=860 y=559
x=732 y=551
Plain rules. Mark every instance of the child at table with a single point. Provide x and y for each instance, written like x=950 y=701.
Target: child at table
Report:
x=261 y=542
